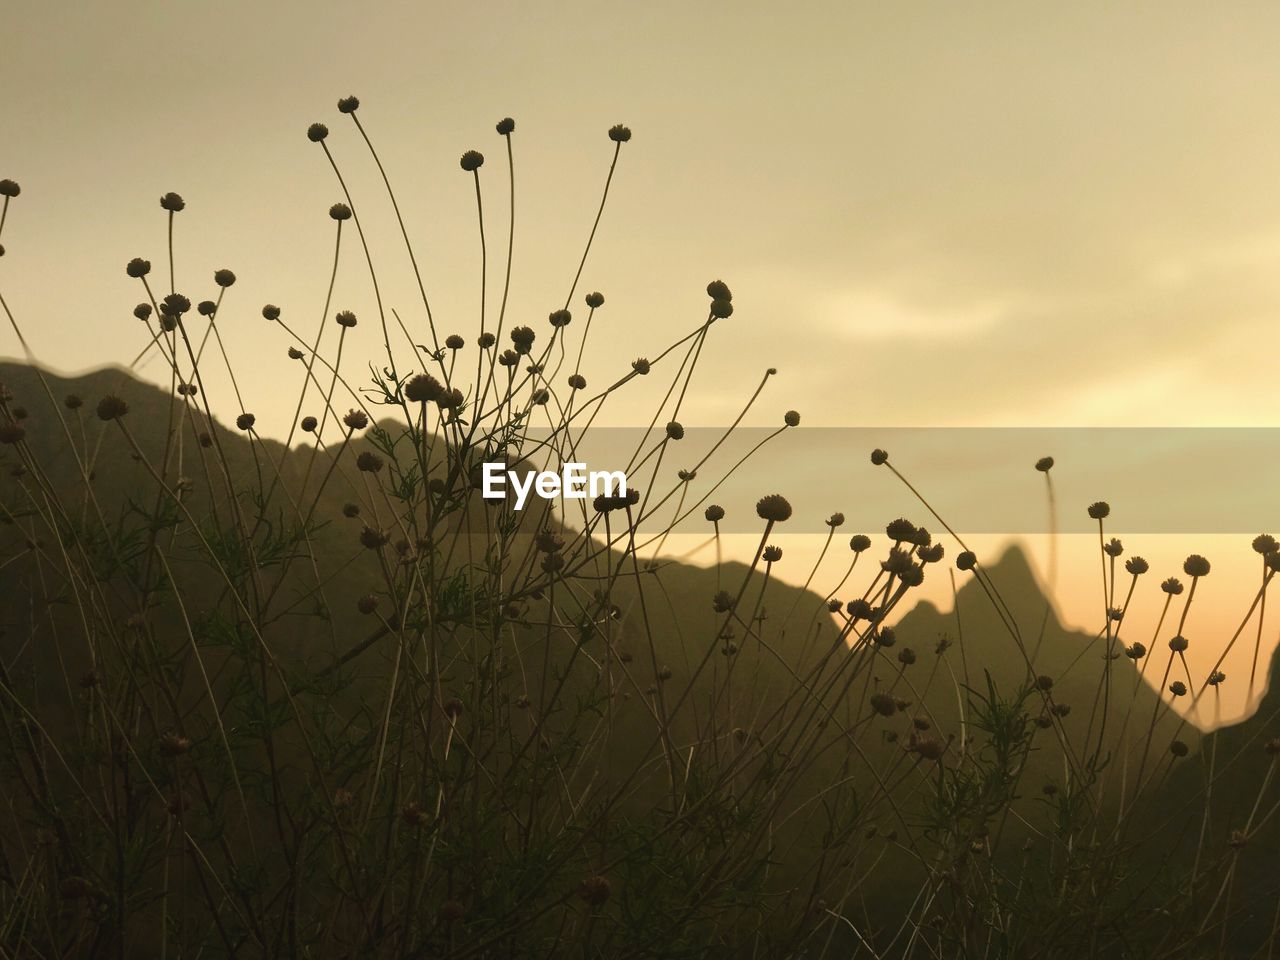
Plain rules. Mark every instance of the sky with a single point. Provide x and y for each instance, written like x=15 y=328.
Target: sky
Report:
x=931 y=214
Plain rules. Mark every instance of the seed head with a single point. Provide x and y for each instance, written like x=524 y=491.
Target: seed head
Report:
x=773 y=508
x=206 y=308
x=142 y=311
x=523 y=338
x=245 y=421
x=340 y=212
x=772 y=554
x=1178 y=644
x=1195 y=566
x=1113 y=548
x=1099 y=510
x=73 y=402
x=111 y=407
x=506 y=126
x=791 y=418
x=560 y=318
x=721 y=309
x=271 y=312
x=372 y=539
x=9 y=188
x=966 y=560
x=675 y=431
x=1044 y=464
x=224 y=277
x=423 y=388
x=486 y=340
x=883 y=704
x=1172 y=586
x=1135 y=651
x=295 y=353
x=577 y=381
x=879 y=457
x=1178 y=748
x=368 y=462
x=932 y=553
x=719 y=290
x=619 y=134
x=1137 y=566
x=859 y=542
x=714 y=513
x=309 y=424
x=317 y=132
x=595 y=300
x=138 y=268
x=835 y=520
x=349 y=104
x=172 y=202
x=860 y=609
x=472 y=161
x=640 y=365
x=356 y=419
x=345 y=318
x=906 y=656
x=351 y=510
x=1178 y=688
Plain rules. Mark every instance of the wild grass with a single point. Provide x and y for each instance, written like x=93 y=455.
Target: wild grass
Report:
x=323 y=699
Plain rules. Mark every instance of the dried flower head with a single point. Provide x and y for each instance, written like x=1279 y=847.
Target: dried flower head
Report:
x=719 y=290
x=577 y=381
x=1178 y=688
x=1265 y=544
x=111 y=407
x=1172 y=586
x=472 y=161
x=356 y=419
x=714 y=513
x=423 y=388
x=1178 y=748
x=859 y=542
x=317 y=132
x=595 y=300
x=137 y=268
x=172 y=202
x=772 y=554
x=271 y=312
x=142 y=311
x=773 y=508
x=559 y=318
x=9 y=188
x=791 y=418
x=1195 y=566
x=506 y=126
x=835 y=520
x=246 y=421
x=1113 y=548
x=349 y=104
x=1135 y=650
x=309 y=424
x=879 y=457
x=1137 y=566
x=340 y=212
x=206 y=308
x=1099 y=510
x=619 y=134
x=1179 y=644
x=721 y=309
x=345 y=318
x=966 y=560
x=1044 y=464
x=523 y=338
x=640 y=365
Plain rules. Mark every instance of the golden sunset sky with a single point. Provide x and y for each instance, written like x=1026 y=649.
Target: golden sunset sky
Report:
x=931 y=214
